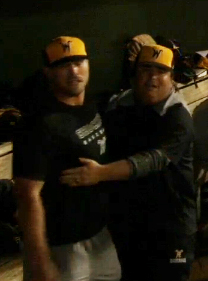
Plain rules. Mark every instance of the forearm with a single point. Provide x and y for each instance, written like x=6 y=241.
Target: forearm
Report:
x=32 y=222
x=120 y=170
x=136 y=166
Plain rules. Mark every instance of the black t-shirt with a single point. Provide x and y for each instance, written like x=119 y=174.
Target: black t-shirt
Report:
x=49 y=143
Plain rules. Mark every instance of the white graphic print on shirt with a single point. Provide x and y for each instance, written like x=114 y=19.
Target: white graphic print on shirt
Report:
x=92 y=131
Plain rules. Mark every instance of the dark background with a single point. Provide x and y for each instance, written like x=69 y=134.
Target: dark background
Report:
x=27 y=26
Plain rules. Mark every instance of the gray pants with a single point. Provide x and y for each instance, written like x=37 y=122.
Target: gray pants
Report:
x=94 y=259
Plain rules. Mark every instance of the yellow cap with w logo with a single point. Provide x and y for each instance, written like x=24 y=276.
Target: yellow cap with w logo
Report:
x=156 y=54
x=64 y=48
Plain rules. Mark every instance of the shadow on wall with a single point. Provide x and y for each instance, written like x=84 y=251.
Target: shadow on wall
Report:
x=103 y=25
x=6 y=94
x=20 y=8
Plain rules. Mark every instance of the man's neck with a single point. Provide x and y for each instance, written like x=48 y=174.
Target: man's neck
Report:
x=73 y=101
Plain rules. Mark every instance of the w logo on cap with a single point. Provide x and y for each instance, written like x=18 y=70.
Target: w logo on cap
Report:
x=66 y=46
x=156 y=53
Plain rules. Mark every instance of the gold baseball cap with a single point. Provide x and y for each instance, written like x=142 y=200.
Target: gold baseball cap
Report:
x=156 y=54
x=64 y=48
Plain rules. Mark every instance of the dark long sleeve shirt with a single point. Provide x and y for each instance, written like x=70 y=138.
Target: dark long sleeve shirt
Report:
x=158 y=141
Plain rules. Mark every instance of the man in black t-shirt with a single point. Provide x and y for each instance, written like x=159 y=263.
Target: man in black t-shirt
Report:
x=150 y=134
x=64 y=229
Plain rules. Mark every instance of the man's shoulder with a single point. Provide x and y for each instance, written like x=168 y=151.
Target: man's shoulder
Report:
x=31 y=127
x=178 y=118
x=174 y=102
x=178 y=111
x=124 y=98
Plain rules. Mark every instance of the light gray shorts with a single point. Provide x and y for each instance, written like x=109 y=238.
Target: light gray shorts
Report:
x=94 y=259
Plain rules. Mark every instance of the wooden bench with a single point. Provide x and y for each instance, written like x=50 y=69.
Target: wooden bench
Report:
x=11 y=268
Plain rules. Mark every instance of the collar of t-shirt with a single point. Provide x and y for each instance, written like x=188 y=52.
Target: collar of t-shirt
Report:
x=54 y=104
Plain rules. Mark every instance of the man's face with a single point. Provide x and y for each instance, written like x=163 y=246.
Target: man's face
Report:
x=152 y=83
x=70 y=78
